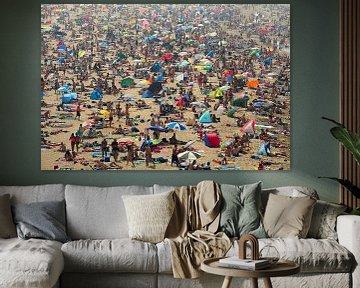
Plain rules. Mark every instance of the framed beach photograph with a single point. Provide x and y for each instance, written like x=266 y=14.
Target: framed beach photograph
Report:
x=165 y=87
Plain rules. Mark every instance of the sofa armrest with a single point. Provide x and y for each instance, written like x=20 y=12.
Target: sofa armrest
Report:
x=348 y=230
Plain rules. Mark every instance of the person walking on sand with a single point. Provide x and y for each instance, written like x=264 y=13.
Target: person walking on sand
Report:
x=72 y=141
x=104 y=148
x=115 y=150
x=111 y=117
x=174 y=157
x=77 y=142
x=78 y=110
x=130 y=156
x=148 y=156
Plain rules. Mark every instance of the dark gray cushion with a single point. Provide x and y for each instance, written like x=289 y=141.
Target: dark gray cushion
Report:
x=44 y=220
x=240 y=213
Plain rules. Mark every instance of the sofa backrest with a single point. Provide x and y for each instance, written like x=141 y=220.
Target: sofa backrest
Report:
x=35 y=193
x=98 y=212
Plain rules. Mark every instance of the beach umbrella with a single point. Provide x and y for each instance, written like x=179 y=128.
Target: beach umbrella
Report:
x=126 y=141
x=189 y=143
x=180 y=77
x=88 y=124
x=198 y=104
x=189 y=155
x=127 y=82
x=184 y=63
x=65 y=88
x=225 y=88
x=176 y=126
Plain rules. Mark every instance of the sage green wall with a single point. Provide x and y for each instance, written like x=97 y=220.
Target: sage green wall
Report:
x=315 y=86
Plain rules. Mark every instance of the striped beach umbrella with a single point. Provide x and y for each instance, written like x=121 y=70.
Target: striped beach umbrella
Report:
x=176 y=126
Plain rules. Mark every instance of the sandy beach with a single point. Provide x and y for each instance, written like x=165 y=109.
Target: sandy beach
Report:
x=208 y=83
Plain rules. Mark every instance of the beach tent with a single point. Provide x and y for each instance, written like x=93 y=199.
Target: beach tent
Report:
x=121 y=55
x=148 y=94
x=65 y=88
x=156 y=67
x=268 y=61
x=240 y=102
x=264 y=149
x=126 y=82
x=252 y=83
x=155 y=87
x=231 y=112
x=160 y=77
x=212 y=140
x=249 y=127
x=69 y=98
x=218 y=93
x=210 y=54
x=205 y=117
x=96 y=94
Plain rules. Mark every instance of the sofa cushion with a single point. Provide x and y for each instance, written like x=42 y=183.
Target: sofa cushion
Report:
x=313 y=255
x=287 y=216
x=7 y=226
x=117 y=255
x=323 y=222
x=290 y=191
x=98 y=213
x=30 y=263
x=149 y=215
x=43 y=220
x=34 y=193
x=240 y=210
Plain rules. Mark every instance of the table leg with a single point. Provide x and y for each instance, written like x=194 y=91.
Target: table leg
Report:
x=267 y=283
x=227 y=282
x=254 y=282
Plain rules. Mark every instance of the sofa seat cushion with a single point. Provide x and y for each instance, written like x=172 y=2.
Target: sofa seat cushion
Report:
x=110 y=255
x=313 y=255
x=30 y=263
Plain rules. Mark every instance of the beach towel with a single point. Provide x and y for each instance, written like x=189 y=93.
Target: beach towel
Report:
x=191 y=232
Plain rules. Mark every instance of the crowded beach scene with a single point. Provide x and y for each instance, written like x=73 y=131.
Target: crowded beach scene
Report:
x=165 y=87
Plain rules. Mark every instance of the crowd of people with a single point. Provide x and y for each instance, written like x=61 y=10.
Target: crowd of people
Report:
x=135 y=86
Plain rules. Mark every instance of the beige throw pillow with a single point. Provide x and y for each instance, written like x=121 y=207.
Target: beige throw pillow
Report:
x=288 y=217
x=149 y=215
x=7 y=226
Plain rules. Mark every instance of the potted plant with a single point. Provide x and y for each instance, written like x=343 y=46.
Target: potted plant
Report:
x=351 y=141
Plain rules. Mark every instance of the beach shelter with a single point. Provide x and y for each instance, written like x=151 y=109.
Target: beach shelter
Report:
x=69 y=98
x=240 y=102
x=176 y=126
x=253 y=83
x=268 y=61
x=156 y=67
x=167 y=56
x=212 y=140
x=210 y=54
x=249 y=127
x=155 y=87
x=126 y=82
x=96 y=94
x=121 y=55
x=205 y=117
x=65 y=88
x=231 y=112
x=218 y=93
x=264 y=149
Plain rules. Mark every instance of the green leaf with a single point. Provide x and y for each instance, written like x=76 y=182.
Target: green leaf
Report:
x=347 y=184
x=349 y=139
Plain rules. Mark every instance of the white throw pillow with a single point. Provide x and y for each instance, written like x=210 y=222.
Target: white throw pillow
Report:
x=149 y=215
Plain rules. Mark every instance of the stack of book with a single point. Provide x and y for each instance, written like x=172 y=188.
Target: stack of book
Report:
x=248 y=264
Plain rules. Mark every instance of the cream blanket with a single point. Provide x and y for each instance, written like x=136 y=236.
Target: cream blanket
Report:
x=191 y=231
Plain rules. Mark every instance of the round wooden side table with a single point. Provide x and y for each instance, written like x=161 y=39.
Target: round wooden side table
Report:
x=281 y=268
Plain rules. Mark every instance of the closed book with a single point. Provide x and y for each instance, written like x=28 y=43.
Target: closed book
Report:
x=236 y=262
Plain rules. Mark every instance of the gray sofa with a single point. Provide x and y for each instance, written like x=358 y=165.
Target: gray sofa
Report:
x=101 y=254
